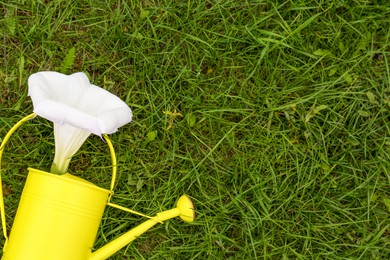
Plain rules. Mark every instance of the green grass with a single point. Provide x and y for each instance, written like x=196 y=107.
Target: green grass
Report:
x=283 y=142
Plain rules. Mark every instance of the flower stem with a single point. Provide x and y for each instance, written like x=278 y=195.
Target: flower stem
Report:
x=59 y=170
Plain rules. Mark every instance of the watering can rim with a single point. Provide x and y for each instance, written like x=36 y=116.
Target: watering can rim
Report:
x=70 y=178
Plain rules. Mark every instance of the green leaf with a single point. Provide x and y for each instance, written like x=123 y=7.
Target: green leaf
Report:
x=144 y=14
x=68 y=62
x=137 y=35
x=341 y=46
x=321 y=52
x=308 y=117
x=373 y=198
x=364 y=113
x=21 y=70
x=379 y=235
x=314 y=111
x=348 y=78
x=10 y=19
x=191 y=119
x=386 y=201
x=364 y=42
x=319 y=108
x=131 y=181
x=139 y=185
x=371 y=97
x=151 y=135
x=332 y=72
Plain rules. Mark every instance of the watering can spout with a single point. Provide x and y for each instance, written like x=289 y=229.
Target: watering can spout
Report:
x=184 y=209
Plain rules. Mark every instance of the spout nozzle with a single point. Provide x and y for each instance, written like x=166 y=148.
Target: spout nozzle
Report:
x=186 y=209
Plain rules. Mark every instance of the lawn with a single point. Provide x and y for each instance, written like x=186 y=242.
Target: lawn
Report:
x=273 y=116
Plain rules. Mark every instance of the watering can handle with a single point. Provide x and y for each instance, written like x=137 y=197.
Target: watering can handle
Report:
x=5 y=140
x=7 y=136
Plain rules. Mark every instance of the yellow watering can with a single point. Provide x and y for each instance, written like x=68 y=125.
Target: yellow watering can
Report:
x=59 y=215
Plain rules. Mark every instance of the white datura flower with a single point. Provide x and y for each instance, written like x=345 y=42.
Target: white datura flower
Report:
x=77 y=108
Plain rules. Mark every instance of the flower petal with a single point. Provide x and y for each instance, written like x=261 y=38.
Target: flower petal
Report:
x=73 y=100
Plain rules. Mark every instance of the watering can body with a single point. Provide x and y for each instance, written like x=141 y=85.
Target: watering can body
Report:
x=58 y=216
